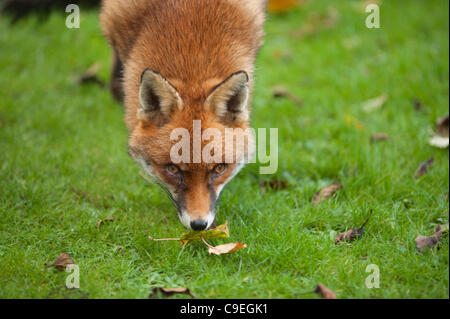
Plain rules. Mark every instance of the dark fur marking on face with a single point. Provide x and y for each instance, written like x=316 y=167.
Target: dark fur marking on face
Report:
x=212 y=198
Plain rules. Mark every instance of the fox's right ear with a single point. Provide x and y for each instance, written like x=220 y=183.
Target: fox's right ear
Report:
x=157 y=97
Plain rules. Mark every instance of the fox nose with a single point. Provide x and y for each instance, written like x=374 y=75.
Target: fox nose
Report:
x=199 y=224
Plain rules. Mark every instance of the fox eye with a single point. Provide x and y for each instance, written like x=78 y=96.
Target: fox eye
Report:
x=219 y=169
x=173 y=169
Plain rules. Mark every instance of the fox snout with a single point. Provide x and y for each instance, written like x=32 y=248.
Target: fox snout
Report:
x=196 y=223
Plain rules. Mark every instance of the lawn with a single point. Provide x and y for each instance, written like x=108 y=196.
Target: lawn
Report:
x=64 y=165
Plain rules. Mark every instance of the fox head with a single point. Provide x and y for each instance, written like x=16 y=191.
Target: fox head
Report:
x=181 y=142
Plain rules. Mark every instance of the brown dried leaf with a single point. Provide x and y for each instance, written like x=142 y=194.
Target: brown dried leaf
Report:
x=62 y=261
x=167 y=292
x=349 y=235
x=225 y=248
x=90 y=75
x=325 y=193
x=423 y=167
x=353 y=233
x=325 y=292
x=280 y=91
x=417 y=104
x=101 y=221
x=442 y=126
x=274 y=184
x=379 y=137
x=430 y=241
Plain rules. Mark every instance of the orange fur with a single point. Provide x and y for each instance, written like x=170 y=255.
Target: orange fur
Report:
x=195 y=45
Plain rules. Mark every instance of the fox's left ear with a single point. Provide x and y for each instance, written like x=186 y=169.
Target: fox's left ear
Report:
x=229 y=99
x=157 y=97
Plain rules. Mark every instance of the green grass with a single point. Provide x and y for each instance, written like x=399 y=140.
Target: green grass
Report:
x=55 y=134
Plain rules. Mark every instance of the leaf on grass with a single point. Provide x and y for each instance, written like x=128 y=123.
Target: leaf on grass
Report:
x=423 y=242
x=353 y=233
x=280 y=91
x=325 y=292
x=442 y=126
x=225 y=248
x=439 y=141
x=101 y=221
x=417 y=104
x=279 y=6
x=375 y=103
x=62 y=261
x=167 y=292
x=325 y=193
x=441 y=137
x=378 y=137
x=220 y=231
x=274 y=184
x=423 y=167
x=90 y=75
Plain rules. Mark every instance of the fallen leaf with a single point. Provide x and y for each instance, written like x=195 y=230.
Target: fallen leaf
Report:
x=423 y=167
x=280 y=91
x=439 y=141
x=353 y=233
x=430 y=241
x=442 y=126
x=325 y=292
x=379 y=137
x=441 y=137
x=280 y=6
x=101 y=221
x=375 y=103
x=417 y=104
x=220 y=231
x=274 y=184
x=90 y=75
x=325 y=193
x=170 y=291
x=225 y=248
x=62 y=261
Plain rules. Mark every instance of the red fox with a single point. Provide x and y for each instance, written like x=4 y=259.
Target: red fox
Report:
x=176 y=62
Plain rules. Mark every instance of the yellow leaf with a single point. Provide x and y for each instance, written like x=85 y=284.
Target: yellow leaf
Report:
x=220 y=231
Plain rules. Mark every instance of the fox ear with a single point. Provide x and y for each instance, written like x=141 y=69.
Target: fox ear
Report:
x=157 y=97
x=228 y=100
